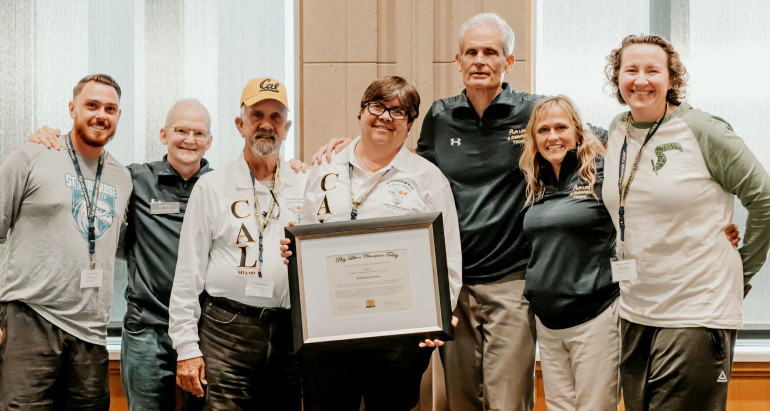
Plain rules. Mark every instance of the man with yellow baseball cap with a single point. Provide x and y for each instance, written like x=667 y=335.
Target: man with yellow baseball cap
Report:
x=240 y=347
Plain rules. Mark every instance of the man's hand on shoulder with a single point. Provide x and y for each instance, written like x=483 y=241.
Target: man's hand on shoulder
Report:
x=190 y=374
x=298 y=166
x=334 y=145
x=47 y=136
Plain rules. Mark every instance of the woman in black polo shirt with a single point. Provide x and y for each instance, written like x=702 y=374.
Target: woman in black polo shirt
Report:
x=569 y=282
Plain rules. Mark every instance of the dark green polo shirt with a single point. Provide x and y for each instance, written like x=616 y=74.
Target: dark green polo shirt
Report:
x=152 y=240
x=480 y=158
x=569 y=280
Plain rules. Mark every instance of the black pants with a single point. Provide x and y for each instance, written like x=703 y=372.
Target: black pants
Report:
x=43 y=367
x=248 y=359
x=386 y=375
x=675 y=368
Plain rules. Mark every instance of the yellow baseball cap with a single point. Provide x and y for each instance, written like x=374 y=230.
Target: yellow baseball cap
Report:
x=263 y=89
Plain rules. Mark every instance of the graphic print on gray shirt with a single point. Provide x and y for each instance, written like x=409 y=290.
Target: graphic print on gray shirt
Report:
x=44 y=225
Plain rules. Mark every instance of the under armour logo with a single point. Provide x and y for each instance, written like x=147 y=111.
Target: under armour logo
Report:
x=455 y=141
x=268 y=87
x=722 y=377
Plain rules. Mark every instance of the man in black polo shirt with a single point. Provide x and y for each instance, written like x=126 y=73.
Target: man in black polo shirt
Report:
x=476 y=139
x=155 y=213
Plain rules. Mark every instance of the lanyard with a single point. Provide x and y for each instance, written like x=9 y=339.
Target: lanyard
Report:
x=624 y=188
x=357 y=202
x=91 y=202
x=262 y=225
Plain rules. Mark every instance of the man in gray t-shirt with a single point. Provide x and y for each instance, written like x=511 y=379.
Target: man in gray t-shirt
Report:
x=61 y=217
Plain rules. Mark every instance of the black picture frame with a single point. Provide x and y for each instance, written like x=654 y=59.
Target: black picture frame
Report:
x=443 y=329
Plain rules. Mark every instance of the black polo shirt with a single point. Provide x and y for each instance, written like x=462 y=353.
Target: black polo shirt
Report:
x=569 y=280
x=480 y=158
x=152 y=240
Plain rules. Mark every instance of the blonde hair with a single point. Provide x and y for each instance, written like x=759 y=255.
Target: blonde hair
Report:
x=588 y=147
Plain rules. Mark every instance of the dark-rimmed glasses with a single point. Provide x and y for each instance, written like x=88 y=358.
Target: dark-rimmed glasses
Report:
x=378 y=109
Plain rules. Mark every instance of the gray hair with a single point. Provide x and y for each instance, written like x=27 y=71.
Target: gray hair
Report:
x=188 y=102
x=490 y=20
x=243 y=110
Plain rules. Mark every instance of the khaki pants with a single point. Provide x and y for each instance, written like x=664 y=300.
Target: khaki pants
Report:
x=580 y=364
x=491 y=363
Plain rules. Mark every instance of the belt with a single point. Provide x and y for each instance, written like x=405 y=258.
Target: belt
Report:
x=267 y=314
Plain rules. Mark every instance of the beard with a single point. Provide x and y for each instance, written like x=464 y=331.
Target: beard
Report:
x=83 y=133
x=265 y=147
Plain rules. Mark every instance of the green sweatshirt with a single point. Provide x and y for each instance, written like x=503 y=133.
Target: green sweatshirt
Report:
x=679 y=204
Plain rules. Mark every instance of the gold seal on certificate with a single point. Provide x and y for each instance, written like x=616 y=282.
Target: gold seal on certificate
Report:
x=357 y=280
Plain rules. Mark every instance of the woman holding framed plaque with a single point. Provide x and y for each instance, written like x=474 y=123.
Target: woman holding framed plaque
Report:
x=377 y=176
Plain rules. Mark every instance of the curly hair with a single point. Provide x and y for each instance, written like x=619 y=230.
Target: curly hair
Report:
x=676 y=71
x=588 y=148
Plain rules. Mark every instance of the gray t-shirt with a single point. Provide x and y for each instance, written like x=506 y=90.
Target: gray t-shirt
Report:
x=44 y=225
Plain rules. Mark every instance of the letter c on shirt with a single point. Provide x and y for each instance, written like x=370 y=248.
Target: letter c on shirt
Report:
x=323 y=181
x=235 y=205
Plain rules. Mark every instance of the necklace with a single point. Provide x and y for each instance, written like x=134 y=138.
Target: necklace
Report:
x=365 y=164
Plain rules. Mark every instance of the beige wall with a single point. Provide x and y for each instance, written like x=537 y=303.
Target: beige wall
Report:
x=345 y=44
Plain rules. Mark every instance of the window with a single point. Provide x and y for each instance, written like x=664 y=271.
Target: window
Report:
x=723 y=45
x=158 y=52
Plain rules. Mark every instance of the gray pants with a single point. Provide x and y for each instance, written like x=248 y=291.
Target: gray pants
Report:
x=45 y=368
x=491 y=363
x=675 y=368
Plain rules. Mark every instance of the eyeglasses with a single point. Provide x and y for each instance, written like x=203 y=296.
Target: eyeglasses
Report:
x=184 y=132
x=378 y=109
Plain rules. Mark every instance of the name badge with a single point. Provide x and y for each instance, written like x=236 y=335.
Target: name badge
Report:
x=91 y=278
x=623 y=270
x=259 y=287
x=164 y=208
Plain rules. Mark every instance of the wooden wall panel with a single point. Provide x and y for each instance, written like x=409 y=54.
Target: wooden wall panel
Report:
x=117 y=397
x=323 y=31
x=353 y=42
x=749 y=388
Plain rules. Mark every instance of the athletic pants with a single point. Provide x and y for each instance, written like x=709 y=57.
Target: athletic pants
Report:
x=675 y=369
x=43 y=367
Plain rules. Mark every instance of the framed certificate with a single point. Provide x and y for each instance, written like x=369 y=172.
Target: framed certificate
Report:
x=356 y=280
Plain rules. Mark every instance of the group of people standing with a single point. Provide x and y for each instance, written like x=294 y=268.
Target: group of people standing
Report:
x=638 y=288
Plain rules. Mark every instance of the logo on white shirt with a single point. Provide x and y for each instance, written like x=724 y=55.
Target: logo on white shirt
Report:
x=399 y=190
x=324 y=211
x=295 y=207
x=659 y=152
x=455 y=141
